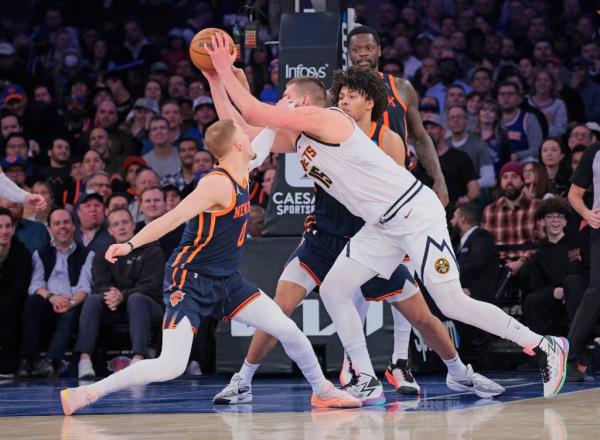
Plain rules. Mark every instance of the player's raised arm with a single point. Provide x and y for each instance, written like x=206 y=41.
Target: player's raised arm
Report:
x=213 y=192
x=330 y=126
x=10 y=191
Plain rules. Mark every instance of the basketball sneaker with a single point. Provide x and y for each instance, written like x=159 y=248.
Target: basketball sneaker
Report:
x=85 y=370
x=475 y=383
x=73 y=399
x=367 y=389
x=331 y=397
x=401 y=378
x=236 y=392
x=348 y=371
x=551 y=356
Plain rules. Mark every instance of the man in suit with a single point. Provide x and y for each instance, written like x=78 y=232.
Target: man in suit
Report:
x=479 y=265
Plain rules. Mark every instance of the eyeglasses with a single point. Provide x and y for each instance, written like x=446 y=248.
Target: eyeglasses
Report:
x=554 y=217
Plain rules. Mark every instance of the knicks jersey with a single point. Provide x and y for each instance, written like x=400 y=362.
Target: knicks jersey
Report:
x=394 y=116
x=357 y=173
x=333 y=217
x=212 y=242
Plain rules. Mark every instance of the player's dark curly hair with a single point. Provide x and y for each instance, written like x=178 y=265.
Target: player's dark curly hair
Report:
x=364 y=81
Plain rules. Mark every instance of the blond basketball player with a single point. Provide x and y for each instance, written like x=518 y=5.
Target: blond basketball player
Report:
x=402 y=217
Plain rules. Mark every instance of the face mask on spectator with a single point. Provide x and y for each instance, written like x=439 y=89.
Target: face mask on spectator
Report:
x=71 y=60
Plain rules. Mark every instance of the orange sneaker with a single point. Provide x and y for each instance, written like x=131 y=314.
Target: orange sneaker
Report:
x=73 y=399
x=332 y=397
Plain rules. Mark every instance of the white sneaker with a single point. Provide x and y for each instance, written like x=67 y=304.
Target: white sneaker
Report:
x=348 y=371
x=551 y=356
x=236 y=392
x=401 y=378
x=367 y=389
x=332 y=397
x=475 y=383
x=73 y=399
x=85 y=369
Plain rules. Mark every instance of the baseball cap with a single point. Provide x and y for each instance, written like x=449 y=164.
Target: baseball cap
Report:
x=202 y=100
x=432 y=119
x=89 y=195
x=593 y=126
x=7 y=49
x=131 y=160
x=579 y=61
x=159 y=67
x=12 y=91
x=12 y=161
x=147 y=103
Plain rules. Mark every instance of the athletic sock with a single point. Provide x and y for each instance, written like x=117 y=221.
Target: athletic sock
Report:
x=247 y=371
x=402 y=329
x=456 y=368
x=521 y=335
x=360 y=357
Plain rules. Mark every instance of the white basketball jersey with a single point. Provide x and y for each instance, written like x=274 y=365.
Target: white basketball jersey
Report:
x=358 y=174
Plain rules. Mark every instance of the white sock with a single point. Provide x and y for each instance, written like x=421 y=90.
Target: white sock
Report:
x=402 y=329
x=345 y=277
x=247 y=371
x=456 y=368
x=265 y=315
x=172 y=362
x=521 y=334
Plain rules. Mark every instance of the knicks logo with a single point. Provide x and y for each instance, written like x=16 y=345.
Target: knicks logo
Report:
x=442 y=266
x=176 y=297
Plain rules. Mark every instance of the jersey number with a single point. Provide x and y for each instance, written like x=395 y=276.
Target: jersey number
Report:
x=242 y=236
x=319 y=175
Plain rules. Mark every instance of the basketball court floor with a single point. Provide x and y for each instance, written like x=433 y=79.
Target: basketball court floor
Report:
x=182 y=409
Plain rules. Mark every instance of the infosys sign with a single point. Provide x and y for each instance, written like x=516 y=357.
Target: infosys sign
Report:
x=292 y=71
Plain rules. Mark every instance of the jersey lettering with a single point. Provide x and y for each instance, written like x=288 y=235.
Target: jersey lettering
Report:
x=319 y=175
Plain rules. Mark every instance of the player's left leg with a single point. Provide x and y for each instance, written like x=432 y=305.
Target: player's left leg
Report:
x=263 y=314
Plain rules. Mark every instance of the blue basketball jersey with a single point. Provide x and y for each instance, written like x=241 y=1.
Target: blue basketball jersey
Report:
x=330 y=215
x=212 y=243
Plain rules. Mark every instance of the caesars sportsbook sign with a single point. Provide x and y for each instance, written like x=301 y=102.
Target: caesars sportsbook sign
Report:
x=309 y=45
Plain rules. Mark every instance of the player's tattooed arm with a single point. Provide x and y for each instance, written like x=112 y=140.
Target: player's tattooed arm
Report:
x=423 y=144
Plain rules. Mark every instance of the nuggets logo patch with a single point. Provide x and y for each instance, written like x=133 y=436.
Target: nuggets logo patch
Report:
x=442 y=266
x=176 y=297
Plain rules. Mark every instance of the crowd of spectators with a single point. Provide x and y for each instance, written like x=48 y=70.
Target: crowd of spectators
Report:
x=103 y=114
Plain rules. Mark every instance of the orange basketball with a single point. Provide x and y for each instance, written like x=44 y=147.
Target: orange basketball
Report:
x=198 y=53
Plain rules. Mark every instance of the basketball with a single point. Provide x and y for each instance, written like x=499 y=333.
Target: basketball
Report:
x=198 y=53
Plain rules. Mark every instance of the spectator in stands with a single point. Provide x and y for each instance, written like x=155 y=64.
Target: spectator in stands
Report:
x=45 y=190
x=571 y=97
x=482 y=83
x=144 y=110
x=171 y=111
x=426 y=76
x=15 y=273
x=146 y=178
x=558 y=272
x=17 y=145
x=176 y=87
x=257 y=220
x=60 y=283
x=136 y=46
x=410 y=63
x=92 y=163
x=107 y=117
x=523 y=129
x=196 y=89
x=204 y=115
x=57 y=173
x=153 y=204
x=587 y=88
x=163 y=157
x=129 y=291
x=580 y=135
x=116 y=200
x=479 y=264
x=91 y=232
x=537 y=184
x=188 y=147
x=458 y=169
x=172 y=196
x=153 y=90
x=449 y=75
x=101 y=143
x=101 y=58
x=9 y=124
x=32 y=234
x=576 y=155
x=131 y=167
x=543 y=96
x=470 y=144
x=14 y=168
x=99 y=182
x=552 y=157
x=488 y=130
x=511 y=220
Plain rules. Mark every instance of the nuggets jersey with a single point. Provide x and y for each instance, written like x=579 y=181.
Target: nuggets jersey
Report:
x=212 y=242
x=358 y=174
x=394 y=116
x=333 y=217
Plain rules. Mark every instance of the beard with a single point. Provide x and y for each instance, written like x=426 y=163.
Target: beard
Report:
x=511 y=193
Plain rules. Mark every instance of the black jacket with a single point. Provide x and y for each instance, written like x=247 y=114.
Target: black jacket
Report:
x=141 y=271
x=554 y=261
x=15 y=271
x=479 y=264
x=167 y=242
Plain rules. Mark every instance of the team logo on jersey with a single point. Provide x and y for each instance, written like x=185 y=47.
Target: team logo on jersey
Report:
x=176 y=297
x=442 y=266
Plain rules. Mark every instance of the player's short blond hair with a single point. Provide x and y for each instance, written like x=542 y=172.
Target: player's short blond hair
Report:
x=219 y=137
x=312 y=87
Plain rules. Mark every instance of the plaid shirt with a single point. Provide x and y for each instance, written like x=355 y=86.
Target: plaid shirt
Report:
x=175 y=179
x=514 y=229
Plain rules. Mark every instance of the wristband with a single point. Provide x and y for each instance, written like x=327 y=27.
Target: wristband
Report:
x=50 y=295
x=130 y=245
x=72 y=302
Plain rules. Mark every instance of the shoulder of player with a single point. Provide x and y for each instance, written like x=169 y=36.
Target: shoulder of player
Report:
x=405 y=89
x=214 y=180
x=390 y=136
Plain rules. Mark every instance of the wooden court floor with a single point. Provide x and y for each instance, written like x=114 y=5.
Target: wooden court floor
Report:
x=575 y=414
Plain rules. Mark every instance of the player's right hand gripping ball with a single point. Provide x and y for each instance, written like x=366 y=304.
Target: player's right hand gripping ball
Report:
x=198 y=53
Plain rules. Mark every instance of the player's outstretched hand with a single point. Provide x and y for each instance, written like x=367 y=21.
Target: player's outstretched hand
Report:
x=117 y=250
x=36 y=201
x=220 y=53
